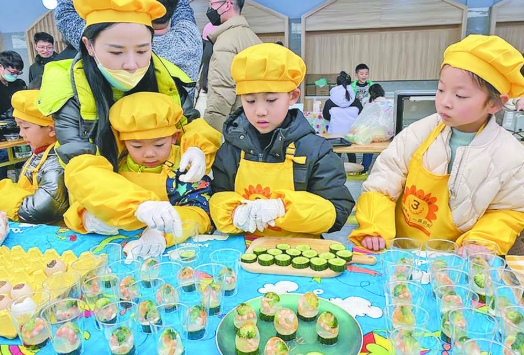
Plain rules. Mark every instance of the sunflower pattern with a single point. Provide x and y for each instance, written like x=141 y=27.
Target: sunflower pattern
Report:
x=258 y=192
x=419 y=209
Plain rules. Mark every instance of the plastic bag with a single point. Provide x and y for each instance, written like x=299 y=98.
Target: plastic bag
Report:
x=319 y=124
x=374 y=124
x=4 y=226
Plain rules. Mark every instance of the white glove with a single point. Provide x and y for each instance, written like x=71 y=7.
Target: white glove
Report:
x=197 y=160
x=93 y=224
x=151 y=243
x=242 y=218
x=160 y=215
x=264 y=212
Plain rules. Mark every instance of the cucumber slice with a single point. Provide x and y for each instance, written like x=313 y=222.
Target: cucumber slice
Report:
x=283 y=260
x=318 y=264
x=259 y=250
x=303 y=247
x=249 y=258
x=310 y=254
x=293 y=252
x=327 y=341
x=255 y=352
x=300 y=262
x=274 y=252
x=327 y=256
x=337 y=264
x=336 y=247
x=266 y=260
x=345 y=254
x=283 y=246
x=287 y=337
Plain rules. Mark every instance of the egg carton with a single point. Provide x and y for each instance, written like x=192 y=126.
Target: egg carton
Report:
x=18 y=266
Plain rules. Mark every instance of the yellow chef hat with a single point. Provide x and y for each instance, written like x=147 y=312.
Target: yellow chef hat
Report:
x=25 y=109
x=267 y=67
x=145 y=115
x=491 y=58
x=133 y=11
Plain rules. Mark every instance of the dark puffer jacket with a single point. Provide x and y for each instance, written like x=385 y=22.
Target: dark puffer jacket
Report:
x=323 y=174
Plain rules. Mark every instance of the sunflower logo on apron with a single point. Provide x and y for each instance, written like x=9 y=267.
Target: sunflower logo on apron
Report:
x=419 y=209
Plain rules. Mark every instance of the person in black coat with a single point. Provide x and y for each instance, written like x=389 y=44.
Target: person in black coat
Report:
x=11 y=66
x=45 y=49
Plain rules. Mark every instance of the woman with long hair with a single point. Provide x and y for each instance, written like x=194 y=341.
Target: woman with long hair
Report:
x=116 y=60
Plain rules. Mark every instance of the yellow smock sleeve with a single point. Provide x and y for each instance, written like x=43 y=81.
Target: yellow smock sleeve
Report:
x=375 y=216
x=221 y=206
x=499 y=226
x=305 y=212
x=92 y=182
x=12 y=197
x=201 y=135
x=190 y=214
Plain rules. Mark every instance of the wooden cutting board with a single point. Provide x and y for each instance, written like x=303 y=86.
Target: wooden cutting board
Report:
x=320 y=245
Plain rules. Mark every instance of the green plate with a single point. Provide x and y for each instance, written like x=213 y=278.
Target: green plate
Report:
x=349 y=338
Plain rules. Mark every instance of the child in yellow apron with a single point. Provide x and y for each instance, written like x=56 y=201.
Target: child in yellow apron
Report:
x=455 y=175
x=146 y=123
x=40 y=195
x=273 y=175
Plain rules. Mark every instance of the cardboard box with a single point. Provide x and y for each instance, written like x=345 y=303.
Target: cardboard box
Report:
x=322 y=91
x=311 y=78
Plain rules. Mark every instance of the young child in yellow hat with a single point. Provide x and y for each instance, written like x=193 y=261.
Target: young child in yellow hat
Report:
x=273 y=174
x=457 y=174
x=146 y=123
x=40 y=195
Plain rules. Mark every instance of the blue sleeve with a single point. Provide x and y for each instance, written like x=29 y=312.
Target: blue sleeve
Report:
x=195 y=194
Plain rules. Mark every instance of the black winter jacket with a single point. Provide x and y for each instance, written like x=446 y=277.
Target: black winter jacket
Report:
x=323 y=174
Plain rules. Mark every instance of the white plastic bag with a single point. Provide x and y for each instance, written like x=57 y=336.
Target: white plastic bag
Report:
x=374 y=124
x=4 y=226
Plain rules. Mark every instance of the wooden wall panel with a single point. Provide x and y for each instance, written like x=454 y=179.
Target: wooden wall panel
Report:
x=356 y=14
x=46 y=23
x=272 y=37
x=513 y=32
x=260 y=19
x=391 y=54
x=510 y=10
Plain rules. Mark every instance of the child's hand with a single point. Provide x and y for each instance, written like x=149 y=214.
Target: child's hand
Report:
x=472 y=249
x=373 y=243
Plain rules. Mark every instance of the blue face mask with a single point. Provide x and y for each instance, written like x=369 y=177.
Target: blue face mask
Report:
x=10 y=77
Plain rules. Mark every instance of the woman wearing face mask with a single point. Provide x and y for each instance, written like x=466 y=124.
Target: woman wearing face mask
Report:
x=116 y=60
x=11 y=66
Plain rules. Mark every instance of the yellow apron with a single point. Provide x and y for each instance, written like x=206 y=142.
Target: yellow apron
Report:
x=423 y=212
x=155 y=182
x=257 y=180
x=23 y=181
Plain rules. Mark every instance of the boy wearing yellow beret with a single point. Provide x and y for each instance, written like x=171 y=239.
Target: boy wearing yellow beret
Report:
x=40 y=195
x=457 y=174
x=146 y=123
x=273 y=174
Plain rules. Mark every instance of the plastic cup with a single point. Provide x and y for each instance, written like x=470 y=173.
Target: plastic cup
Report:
x=449 y=277
x=190 y=229
x=404 y=293
x=485 y=346
x=410 y=245
x=171 y=332
x=410 y=341
x=469 y=247
x=441 y=260
x=197 y=303
x=25 y=311
x=89 y=266
x=439 y=246
x=65 y=322
x=405 y=316
x=395 y=256
x=166 y=293
x=120 y=326
x=506 y=296
x=113 y=251
x=150 y=256
x=402 y=272
x=63 y=285
x=147 y=302
x=512 y=320
x=100 y=287
x=127 y=274
x=470 y=323
x=483 y=268
x=213 y=275
x=230 y=258
x=450 y=298
x=186 y=256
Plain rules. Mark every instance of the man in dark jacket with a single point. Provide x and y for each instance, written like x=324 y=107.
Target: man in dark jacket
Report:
x=273 y=173
x=45 y=49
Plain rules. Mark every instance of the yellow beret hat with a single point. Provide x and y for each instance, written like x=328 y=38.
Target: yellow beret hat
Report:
x=491 y=58
x=145 y=115
x=25 y=109
x=132 y=11
x=267 y=67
